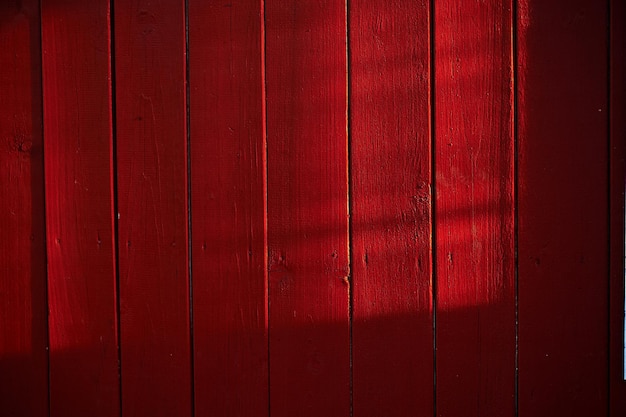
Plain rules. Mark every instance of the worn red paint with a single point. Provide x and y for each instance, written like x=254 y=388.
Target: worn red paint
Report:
x=474 y=217
x=153 y=208
x=307 y=208
x=79 y=208
x=391 y=174
x=228 y=203
x=388 y=177
x=23 y=318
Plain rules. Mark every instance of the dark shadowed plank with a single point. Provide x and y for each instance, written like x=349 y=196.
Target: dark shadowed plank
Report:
x=307 y=208
x=152 y=193
x=391 y=207
x=474 y=231
x=23 y=316
x=228 y=208
x=617 y=388
x=563 y=252
x=79 y=208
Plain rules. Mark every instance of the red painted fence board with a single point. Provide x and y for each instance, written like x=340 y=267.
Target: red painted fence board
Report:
x=79 y=208
x=284 y=257
x=152 y=206
x=307 y=189
x=617 y=142
x=563 y=208
x=228 y=202
x=23 y=318
x=390 y=169
x=474 y=217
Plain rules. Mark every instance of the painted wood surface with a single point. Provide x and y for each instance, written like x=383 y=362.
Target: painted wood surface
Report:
x=563 y=208
x=392 y=328
x=283 y=256
x=474 y=218
x=228 y=202
x=23 y=317
x=79 y=208
x=617 y=153
x=309 y=333
x=153 y=208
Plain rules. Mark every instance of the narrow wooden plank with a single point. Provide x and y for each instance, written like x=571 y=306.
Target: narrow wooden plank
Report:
x=391 y=207
x=308 y=208
x=228 y=209
x=23 y=315
x=563 y=208
x=474 y=231
x=79 y=208
x=617 y=71
x=152 y=205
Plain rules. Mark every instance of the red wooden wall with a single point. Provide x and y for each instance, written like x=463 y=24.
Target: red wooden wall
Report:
x=312 y=208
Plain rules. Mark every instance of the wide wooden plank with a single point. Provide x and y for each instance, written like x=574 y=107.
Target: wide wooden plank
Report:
x=307 y=208
x=617 y=107
x=152 y=207
x=23 y=315
x=79 y=208
x=474 y=220
x=228 y=209
x=391 y=207
x=563 y=208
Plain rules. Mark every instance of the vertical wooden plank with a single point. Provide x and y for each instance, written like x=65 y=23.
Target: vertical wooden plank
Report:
x=563 y=237
x=228 y=208
x=391 y=207
x=307 y=208
x=23 y=317
x=474 y=235
x=152 y=201
x=617 y=106
x=79 y=208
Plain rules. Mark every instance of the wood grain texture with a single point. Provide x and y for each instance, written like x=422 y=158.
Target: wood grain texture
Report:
x=153 y=212
x=79 y=208
x=617 y=107
x=228 y=203
x=563 y=208
x=307 y=208
x=391 y=207
x=474 y=231
x=23 y=316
